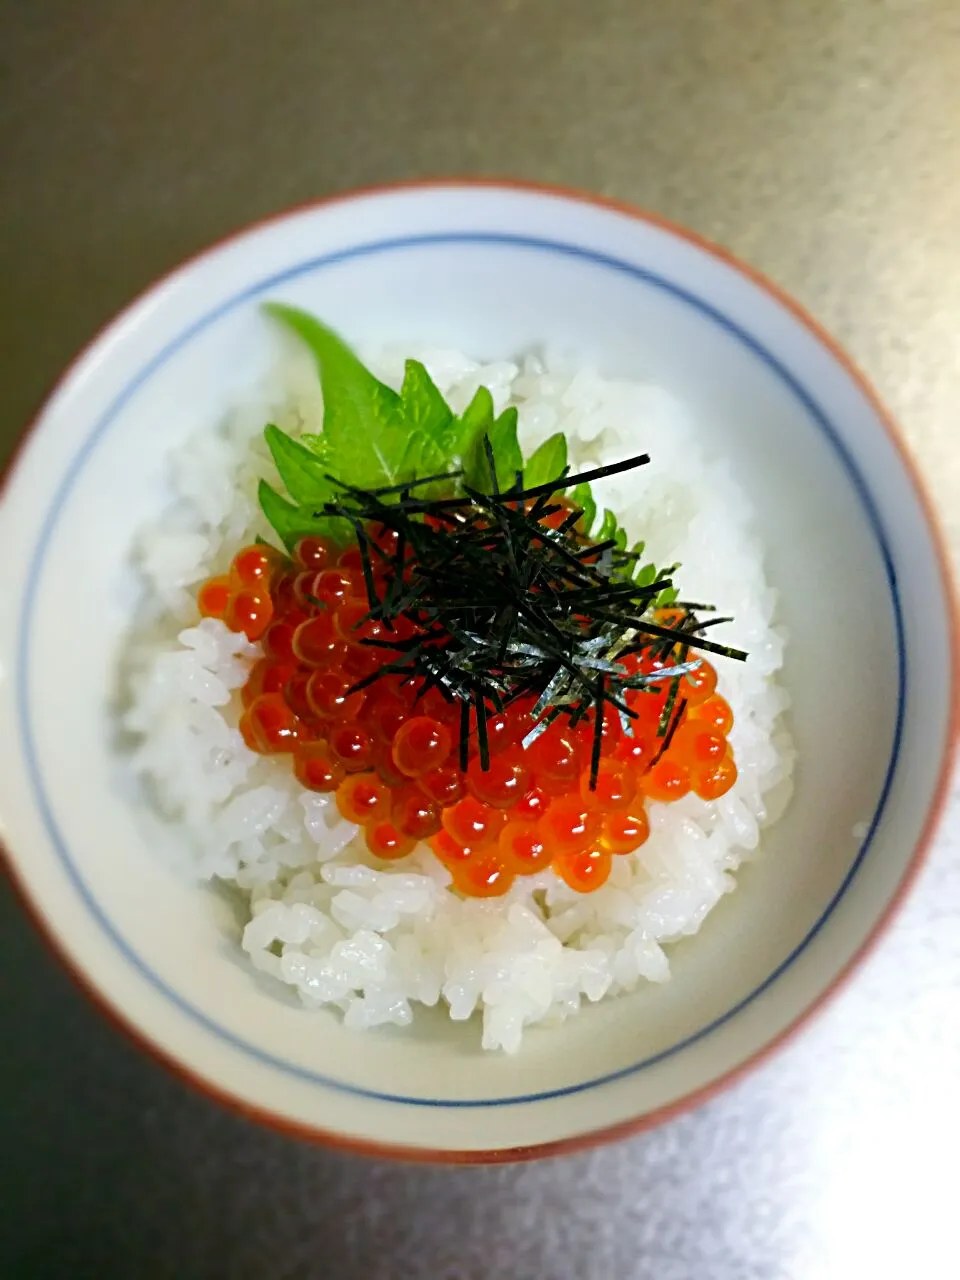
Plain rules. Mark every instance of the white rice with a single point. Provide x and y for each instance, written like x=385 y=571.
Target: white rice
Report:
x=374 y=941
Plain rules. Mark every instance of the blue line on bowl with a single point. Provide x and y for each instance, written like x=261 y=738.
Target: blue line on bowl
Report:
x=317 y=264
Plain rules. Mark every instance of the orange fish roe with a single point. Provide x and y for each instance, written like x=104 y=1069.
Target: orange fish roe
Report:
x=524 y=848
x=715 y=712
x=415 y=813
x=269 y=725
x=585 y=870
x=364 y=797
x=316 y=767
x=386 y=840
x=420 y=746
x=253 y=567
x=214 y=596
x=624 y=832
x=392 y=759
x=249 y=610
x=483 y=874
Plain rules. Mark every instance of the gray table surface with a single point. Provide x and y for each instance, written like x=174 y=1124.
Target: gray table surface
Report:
x=818 y=138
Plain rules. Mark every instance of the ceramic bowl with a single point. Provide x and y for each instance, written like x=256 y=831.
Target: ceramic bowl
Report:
x=852 y=549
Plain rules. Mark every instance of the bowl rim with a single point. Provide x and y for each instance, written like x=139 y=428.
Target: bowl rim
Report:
x=918 y=857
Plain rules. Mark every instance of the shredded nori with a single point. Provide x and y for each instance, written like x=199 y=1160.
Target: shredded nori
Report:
x=507 y=602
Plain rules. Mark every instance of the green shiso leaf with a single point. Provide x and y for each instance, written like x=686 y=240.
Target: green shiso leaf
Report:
x=291 y=522
x=547 y=462
x=430 y=427
x=303 y=471
x=351 y=394
x=476 y=421
x=608 y=526
x=421 y=404
x=506 y=453
x=581 y=497
x=364 y=433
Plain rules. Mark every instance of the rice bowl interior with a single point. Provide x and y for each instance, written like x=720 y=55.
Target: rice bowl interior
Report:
x=764 y=951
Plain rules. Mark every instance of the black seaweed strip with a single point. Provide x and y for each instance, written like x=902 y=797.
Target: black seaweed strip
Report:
x=585 y=477
x=464 y=735
x=668 y=736
x=597 y=734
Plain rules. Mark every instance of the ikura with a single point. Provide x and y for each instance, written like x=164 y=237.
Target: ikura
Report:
x=698 y=685
x=555 y=760
x=532 y=805
x=569 y=824
x=384 y=713
x=278 y=641
x=364 y=798
x=472 y=823
x=421 y=745
x=382 y=761
x=698 y=743
x=314 y=553
x=352 y=746
x=295 y=695
x=667 y=780
x=214 y=597
x=357 y=660
x=482 y=875
x=250 y=611
x=253 y=567
x=355 y=624
x=386 y=840
x=448 y=849
x=614 y=788
x=331 y=697
x=316 y=641
x=636 y=751
x=391 y=758
x=524 y=848
x=503 y=784
x=316 y=767
x=586 y=869
x=333 y=585
x=715 y=780
x=415 y=813
x=610 y=733
x=624 y=832
x=266 y=676
x=268 y=725
x=716 y=713
x=443 y=785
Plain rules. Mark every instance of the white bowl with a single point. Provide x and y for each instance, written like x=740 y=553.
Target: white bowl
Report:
x=872 y=663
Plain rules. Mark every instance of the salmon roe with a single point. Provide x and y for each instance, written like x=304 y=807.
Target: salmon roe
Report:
x=214 y=596
x=316 y=767
x=269 y=725
x=483 y=874
x=415 y=813
x=253 y=567
x=249 y=610
x=388 y=841
x=364 y=798
x=314 y=553
x=391 y=759
x=624 y=832
x=524 y=847
x=586 y=869
x=421 y=745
